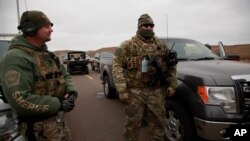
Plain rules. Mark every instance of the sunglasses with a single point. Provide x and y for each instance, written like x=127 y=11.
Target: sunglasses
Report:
x=148 y=25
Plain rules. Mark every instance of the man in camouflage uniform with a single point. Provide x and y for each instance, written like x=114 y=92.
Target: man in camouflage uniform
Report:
x=132 y=75
x=35 y=84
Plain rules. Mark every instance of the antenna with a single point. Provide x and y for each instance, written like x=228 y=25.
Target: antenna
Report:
x=18 y=14
x=167 y=24
x=26 y=5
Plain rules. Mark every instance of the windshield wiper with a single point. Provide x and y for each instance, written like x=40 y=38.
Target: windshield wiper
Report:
x=183 y=59
x=205 y=58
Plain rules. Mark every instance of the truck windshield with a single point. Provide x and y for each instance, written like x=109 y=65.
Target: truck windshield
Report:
x=76 y=55
x=190 y=50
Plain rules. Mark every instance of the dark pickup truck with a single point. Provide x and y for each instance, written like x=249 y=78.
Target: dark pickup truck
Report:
x=213 y=92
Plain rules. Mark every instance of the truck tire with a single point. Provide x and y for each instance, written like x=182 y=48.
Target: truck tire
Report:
x=179 y=123
x=86 y=70
x=98 y=69
x=109 y=91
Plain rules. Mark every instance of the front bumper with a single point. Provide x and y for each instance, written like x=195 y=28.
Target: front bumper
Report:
x=212 y=130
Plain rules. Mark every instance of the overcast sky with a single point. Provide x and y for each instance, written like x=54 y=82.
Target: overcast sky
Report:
x=93 y=24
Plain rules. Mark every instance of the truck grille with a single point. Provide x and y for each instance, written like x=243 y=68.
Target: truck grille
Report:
x=245 y=87
x=242 y=83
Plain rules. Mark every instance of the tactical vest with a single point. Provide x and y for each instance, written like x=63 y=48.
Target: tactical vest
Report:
x=50 y=80
x=136 y=52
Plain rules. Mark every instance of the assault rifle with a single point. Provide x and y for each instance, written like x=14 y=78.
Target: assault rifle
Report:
x=170 y=59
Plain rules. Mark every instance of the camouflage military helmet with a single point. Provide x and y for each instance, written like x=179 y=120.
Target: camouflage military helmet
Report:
x=33 y=20
x=145 y=19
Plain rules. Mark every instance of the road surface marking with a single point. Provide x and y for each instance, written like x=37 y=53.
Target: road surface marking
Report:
x=89 y=77
x=99 y=95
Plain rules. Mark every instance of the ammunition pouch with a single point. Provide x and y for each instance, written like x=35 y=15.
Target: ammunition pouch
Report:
x=133 y=63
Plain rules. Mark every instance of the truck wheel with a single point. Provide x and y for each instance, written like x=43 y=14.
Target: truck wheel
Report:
x=87 y=70
x=98 y=69
x=109 y=91
x=179 y=124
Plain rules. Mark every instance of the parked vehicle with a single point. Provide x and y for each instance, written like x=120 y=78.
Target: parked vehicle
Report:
x=8 y=119
x=65 y=58
x=213 y=92
x=87 y=57
x=95 y=63
x=107 y=78
x=77 y=62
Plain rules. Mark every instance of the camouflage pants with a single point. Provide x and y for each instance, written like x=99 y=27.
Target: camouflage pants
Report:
x=49 y=130
x=145 y=104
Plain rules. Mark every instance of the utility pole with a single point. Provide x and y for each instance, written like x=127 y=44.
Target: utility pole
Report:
x=18 y=14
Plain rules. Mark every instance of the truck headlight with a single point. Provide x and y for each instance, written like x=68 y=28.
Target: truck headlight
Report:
x=222 y=96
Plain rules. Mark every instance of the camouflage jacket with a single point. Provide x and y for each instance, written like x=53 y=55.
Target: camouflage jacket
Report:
x=29 y=90
x=127 y=64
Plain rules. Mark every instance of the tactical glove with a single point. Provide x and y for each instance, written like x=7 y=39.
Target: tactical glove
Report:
x=68 y=104
x=170 y=91
x=124 y=97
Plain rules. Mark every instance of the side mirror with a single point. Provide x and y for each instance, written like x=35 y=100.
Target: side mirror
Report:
x=222 y=50
x=233 y=57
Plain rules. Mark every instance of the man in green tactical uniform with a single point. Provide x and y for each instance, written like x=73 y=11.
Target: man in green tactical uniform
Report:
x=132 y=73
x=35 y=84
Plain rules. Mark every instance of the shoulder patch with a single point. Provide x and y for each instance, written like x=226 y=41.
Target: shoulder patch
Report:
x=12 y=78
x=118 y=51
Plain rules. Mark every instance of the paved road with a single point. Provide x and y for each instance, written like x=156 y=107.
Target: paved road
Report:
x=96 y=118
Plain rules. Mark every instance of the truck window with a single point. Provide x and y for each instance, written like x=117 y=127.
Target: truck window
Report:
x=4 y=45
x=191 y=49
